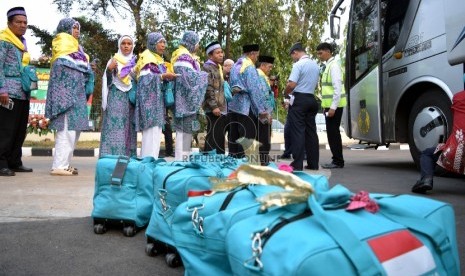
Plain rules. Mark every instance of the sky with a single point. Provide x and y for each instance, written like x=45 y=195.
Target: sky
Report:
x=43 y=14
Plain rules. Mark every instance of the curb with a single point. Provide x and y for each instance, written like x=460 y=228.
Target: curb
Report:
x=29 y=151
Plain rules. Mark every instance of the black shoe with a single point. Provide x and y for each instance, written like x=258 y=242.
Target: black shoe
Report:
x=332 y=166
x=310 y=168
x=284 y=156
x=296 y=168
x=21 y=169
x=6 y=172
x=423 y=185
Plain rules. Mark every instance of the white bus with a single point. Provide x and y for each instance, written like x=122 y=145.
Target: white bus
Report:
x=404 y=62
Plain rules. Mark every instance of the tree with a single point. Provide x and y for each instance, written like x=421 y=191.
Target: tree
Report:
x=135 y=8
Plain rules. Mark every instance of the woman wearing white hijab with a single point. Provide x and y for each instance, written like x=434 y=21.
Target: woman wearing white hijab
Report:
x=118 y=134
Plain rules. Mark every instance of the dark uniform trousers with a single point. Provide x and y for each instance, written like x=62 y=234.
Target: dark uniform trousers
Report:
x=334 y=135
x=13 y=133
x=301 y=119
x=216 y=131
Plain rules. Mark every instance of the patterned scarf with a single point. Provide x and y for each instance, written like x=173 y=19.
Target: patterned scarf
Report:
x=8 y=36
x=64 y=44
x=246 y=62
x=262 y=74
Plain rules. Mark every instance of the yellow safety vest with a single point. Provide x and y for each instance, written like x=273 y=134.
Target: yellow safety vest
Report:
x=327 y=89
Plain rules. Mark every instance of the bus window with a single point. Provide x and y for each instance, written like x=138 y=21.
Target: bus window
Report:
x=364 y=40
x=392 y=18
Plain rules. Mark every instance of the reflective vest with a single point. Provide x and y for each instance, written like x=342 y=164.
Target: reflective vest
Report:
x=327 y=89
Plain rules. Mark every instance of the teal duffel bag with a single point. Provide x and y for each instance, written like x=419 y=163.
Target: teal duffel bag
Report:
x=407 y=235
x=172 y=183
x=200 y=224
x=123 y=193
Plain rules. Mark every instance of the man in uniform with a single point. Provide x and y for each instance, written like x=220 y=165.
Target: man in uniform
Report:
x=333 y=102
x=303 y=108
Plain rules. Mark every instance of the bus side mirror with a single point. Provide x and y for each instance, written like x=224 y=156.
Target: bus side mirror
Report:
x=335 y=26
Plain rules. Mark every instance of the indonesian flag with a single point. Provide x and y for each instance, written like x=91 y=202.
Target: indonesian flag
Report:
x=401 y=253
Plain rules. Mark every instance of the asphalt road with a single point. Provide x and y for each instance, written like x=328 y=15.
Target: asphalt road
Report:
x=45 y=228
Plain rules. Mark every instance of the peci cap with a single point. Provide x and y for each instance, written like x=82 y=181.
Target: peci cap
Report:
x=250 y=48
x=212 y=46
x=16 y=11
x=297 y=47
x=267 y=59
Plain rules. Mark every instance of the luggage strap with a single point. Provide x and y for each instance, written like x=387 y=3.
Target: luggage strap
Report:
x=358 y=252
x=119 y=170
x=229 y=197
x=260 y=238
x=285 y=221
x=170 y=174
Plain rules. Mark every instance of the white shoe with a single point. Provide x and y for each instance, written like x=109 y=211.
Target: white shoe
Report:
x=73 y=169
x=62 y=172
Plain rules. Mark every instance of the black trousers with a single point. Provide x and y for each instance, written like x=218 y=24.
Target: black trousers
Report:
x=13 y=124
x=264 y=137
x=241 y=126
x=216 y=131
x=301 y=119
x=428 y=161
x=168 y=134
x=287 y=139
x=334 y=135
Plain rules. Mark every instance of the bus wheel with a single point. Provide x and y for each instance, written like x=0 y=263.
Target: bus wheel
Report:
x=430 y=122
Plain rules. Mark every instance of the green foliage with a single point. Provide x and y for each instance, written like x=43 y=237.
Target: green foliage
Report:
x=45 y=39
x=134 y=10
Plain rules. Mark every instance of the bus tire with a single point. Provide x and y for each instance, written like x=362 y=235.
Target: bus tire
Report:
x=430 y=122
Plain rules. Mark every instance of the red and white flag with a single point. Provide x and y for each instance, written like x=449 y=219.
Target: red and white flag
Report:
x=401 y=253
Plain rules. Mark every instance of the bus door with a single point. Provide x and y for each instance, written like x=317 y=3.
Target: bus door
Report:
x=363 y=73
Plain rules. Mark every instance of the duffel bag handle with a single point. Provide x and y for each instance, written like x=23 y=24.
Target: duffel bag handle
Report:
x=432 y=231
x=358 y=252
x=119 y=170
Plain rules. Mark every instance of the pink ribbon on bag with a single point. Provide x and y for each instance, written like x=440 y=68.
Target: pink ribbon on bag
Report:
x=285 y=167
x=362 y=200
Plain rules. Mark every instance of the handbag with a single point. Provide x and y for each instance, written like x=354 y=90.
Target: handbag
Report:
x=452 y=157
x=89 y=86
x=28 y=76
x=227 y=92
x=132 y=93
x=169 y=95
